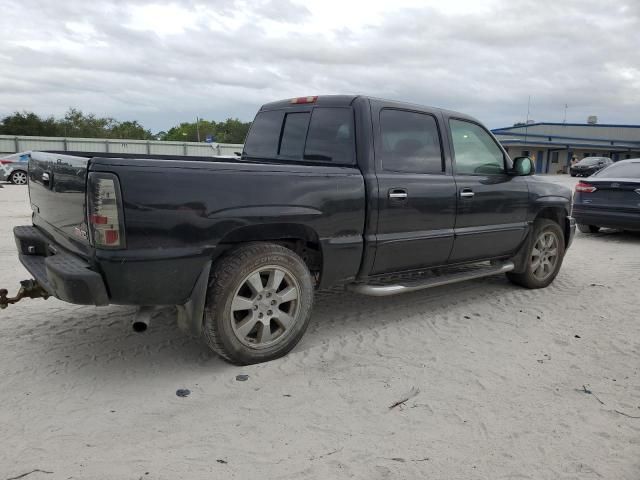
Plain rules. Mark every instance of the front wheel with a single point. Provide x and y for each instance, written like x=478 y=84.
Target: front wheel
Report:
x=588 y=228
x=258 y=303
x=18 y=177
x=545 y=256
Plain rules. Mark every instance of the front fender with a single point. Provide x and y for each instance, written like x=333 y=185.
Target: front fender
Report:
x=551 y=201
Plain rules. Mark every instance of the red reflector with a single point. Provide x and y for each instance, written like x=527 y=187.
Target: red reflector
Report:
x=305 y=99
x=585 y=188
x=111 y=236
x=98 y=219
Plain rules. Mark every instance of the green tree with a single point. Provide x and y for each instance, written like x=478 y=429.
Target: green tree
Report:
x=185 y=132
x=28 y=123
x=77 y=124
x=129 y=130
x=231 y=130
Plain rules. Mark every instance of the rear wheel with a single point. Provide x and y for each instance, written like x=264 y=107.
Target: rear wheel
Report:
x=588 y=228
x=258 y=304
x=18 y=177
x=545 y=256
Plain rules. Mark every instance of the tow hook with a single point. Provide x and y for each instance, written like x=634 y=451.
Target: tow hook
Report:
x=28 y=289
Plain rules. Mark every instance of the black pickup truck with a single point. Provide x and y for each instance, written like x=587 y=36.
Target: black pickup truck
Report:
x=329 y=190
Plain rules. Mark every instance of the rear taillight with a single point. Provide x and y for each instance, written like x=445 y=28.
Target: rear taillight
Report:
x=104 y=211
x=5 y=162
x=583 y=187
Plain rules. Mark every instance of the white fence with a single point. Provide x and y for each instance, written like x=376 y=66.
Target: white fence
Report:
x=14 y=144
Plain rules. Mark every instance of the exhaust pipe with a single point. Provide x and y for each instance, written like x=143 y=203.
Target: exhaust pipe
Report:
x=142 y=319
x=140 y=326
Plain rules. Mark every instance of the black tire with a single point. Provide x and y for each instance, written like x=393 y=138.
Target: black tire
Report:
x=18 y=177
x=573 y=174
x=541 y=227
x=588 y=228
x=229 y=276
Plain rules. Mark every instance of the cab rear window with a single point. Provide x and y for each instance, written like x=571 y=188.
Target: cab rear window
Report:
x=294 y=133
x=330 y=137
x=263 y=137
x=321 y=134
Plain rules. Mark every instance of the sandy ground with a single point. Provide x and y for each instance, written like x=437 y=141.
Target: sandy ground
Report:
x=500 y=372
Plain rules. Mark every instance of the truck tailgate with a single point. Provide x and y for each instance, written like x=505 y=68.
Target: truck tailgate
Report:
x=57 y=191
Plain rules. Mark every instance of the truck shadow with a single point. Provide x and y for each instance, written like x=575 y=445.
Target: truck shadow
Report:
x=100 y=342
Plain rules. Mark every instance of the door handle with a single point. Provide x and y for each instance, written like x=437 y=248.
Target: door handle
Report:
x=466 y=193
x=398 y=194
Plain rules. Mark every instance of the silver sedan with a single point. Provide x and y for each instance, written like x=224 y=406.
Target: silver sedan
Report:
x=13 y=168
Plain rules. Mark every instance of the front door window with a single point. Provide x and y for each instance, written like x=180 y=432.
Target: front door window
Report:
x=475 y=151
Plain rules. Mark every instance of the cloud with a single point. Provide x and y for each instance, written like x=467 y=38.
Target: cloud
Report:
x=165 y=62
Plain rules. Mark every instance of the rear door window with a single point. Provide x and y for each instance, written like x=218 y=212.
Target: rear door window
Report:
x=410 y=142
x=330 y=137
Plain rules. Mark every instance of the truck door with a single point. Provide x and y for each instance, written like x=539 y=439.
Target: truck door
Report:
x=416 y=191
x=491 y=218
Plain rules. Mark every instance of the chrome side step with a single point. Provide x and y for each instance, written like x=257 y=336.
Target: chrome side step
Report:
x=434 y=281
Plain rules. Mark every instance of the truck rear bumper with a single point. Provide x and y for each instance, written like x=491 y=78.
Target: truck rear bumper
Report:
x=152 y=277
x=62 y=274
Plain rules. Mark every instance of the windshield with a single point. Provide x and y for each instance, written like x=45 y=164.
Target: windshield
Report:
x=621 y=170
x=591 y=161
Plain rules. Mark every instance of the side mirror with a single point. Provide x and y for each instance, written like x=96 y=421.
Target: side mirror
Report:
x=523 y=166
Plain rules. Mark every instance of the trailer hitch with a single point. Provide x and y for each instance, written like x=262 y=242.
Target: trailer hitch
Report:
x=28 y=289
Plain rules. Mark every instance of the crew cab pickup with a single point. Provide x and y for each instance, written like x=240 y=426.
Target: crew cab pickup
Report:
x=329 y=190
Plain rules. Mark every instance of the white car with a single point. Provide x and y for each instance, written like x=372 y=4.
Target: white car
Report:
x=13 y=168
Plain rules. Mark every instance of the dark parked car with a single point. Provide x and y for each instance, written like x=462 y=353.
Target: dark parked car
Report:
x=329 y=190
x=610 y=198
x=590 y=165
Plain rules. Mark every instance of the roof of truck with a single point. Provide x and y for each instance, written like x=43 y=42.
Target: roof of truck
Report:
x=347 y=100
x=324 y=100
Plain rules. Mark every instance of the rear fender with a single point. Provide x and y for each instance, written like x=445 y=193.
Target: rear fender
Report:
x=302 y=239
x=330 y=259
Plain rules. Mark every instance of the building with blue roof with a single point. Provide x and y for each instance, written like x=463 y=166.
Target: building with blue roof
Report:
x=552 y=145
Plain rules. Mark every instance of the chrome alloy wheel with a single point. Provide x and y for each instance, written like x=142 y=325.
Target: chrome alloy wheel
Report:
x=544 y=256
x=19 y=178
x=265 y=306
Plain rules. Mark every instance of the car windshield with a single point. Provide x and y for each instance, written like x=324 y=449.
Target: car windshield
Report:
x=591 y=161
x=621 y=170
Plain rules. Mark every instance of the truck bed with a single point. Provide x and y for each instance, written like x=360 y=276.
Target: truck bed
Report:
x=180 y=212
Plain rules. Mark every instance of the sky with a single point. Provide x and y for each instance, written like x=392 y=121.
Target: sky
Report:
x=162 y=63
